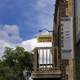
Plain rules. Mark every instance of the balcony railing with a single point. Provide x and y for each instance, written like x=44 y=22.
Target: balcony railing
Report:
x=43 y=60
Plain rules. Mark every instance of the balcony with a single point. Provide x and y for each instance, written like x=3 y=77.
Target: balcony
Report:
x=43 y=66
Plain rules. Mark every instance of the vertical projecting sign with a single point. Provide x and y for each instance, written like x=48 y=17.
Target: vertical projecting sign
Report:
x=67 y=48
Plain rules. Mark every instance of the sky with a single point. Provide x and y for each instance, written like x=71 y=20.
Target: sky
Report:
x=26 y=15
x=21 y=20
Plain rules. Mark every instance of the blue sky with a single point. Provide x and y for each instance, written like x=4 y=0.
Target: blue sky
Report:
x=21 y=19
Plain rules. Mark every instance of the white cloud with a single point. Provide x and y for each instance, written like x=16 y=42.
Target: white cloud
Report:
x=4 y=35
x=4 y=44
x=10 y=33
x=11 y=29
x=29 y=45
x=9 y=37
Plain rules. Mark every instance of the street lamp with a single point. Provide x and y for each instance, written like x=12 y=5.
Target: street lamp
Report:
x=45 y=30
x=50 y=31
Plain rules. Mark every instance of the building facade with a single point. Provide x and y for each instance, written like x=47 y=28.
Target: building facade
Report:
x=65 y=53
x=67 y=24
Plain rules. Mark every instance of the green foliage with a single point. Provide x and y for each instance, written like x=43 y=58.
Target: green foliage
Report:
x=14 y=62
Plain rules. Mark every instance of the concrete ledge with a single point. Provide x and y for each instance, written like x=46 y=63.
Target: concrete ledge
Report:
x=47 y=74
